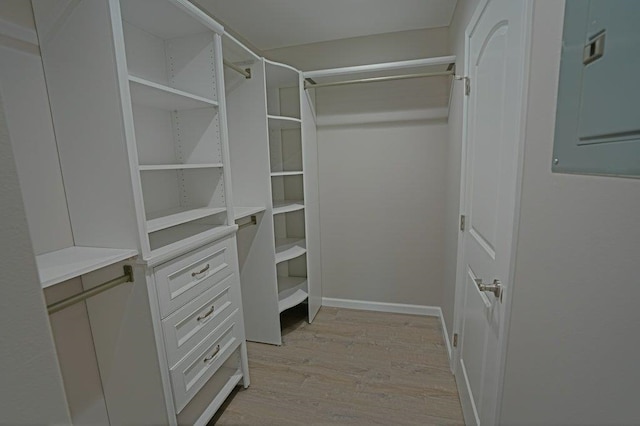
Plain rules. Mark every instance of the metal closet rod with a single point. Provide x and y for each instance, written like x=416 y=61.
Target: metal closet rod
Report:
x=246 y=72
x=310 y=85
x=253 y=221
x=77 y=298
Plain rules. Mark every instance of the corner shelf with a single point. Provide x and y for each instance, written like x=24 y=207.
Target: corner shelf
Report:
x=295 y=294
x=290 y=248
x=287 y=206
x=65 y=264
x=148 y=167
x=279 y=122
x=154 y=95
x=172 y=217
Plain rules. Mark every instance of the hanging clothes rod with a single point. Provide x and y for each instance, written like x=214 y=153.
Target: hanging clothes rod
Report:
x=312 y=85
x=246 y=72
x=65 y=303
x=253 y=221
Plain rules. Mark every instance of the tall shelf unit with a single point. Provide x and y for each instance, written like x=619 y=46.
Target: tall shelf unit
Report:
x=267 y=153
x=178 y=125
x=137 y=97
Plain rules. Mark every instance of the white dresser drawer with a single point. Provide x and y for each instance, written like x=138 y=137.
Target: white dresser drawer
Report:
x=182 y=279
x=195 y=369
x=189 y=325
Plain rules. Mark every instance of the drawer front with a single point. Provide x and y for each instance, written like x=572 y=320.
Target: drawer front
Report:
x=182 y=279
x=189 y=325
x=194 y=370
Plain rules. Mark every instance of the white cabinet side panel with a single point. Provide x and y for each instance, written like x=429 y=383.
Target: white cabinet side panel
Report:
x=79 y=62
x=28 y=360
x=311 y=200
x=122 y=327
x=249 y=152
x=29 y=121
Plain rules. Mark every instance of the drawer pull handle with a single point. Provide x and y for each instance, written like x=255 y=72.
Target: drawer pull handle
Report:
x=205 y=316
x=202 y=271
x=213 y=355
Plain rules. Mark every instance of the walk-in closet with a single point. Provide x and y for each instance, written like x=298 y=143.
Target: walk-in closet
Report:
x=317 y=212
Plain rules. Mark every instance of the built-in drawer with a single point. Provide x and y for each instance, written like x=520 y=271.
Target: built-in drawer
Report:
x=195 y=369
x=182 y=279
x=189 y=325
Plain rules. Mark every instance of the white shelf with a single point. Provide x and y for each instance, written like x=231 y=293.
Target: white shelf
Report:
x=240 y=212
x=290 y=248
x=172 y=217
x=287 y=206
x=278 y=122
x=71 y=262
x=295 y=293
x=154 y=95
x=273 y=174
x=145 y=167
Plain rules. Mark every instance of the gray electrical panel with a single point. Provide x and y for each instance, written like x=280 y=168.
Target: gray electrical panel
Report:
x=598 y=115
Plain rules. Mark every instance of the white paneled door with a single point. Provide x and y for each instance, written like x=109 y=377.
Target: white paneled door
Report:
x=496 y=55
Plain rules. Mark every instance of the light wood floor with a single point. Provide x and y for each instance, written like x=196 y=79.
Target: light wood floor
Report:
x=348 y=367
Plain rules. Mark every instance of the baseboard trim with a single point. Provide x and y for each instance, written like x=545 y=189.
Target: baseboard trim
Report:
x=447 y=342
x=397 y=308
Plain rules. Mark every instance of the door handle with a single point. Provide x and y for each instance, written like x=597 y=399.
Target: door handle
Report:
x=495 y=288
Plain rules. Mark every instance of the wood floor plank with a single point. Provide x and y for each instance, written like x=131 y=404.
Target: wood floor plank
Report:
x=348 y=367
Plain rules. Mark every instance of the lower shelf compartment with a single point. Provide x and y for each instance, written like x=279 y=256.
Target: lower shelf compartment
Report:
x=295 y=292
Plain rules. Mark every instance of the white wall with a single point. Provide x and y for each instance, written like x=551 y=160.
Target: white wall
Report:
x=461 y=17
x=388 y=47
x=381 y=171
x=573 y=339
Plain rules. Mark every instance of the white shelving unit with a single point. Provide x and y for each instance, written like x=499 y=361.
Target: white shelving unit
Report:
x=178 y=123
x=268 y=169
x=136 y=91
x=287 y=187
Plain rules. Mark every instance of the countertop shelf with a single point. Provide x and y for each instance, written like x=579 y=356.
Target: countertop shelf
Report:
x=65 y=264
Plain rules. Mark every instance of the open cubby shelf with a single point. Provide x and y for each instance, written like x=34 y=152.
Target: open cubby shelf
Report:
x=287 y=206
x=295 y=292
x=289 y=248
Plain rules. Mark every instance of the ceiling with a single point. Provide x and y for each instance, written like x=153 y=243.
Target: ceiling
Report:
x=270 y=24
